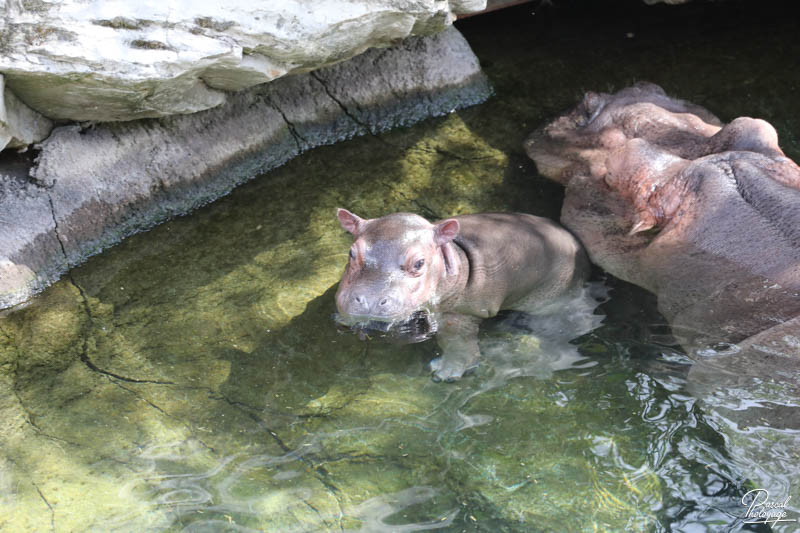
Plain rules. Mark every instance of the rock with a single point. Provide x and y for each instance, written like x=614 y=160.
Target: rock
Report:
x=29 y=250
x=92 y=186
x=19 y=124
x=704 y=215
x=466 y=7
x=87 y=61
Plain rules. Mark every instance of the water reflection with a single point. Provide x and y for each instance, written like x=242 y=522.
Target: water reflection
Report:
x=521 y=345
x=384 y=514
x=238 y=492
x=758 y=417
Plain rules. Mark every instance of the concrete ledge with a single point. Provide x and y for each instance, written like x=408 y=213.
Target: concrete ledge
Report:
x=90 y=187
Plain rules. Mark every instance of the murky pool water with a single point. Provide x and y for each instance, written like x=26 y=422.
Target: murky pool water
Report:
x=191 y=379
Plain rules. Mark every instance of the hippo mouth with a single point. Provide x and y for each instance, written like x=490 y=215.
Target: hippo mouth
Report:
x=418 y=327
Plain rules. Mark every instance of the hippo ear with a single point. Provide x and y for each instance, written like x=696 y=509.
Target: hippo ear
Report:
x=446 y=231
x=349 y=221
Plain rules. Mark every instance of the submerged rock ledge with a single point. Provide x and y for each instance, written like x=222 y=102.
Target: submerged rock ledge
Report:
x=92 y=186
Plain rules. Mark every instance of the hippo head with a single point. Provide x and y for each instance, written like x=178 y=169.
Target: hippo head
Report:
x=579 y=142
x=396 y=265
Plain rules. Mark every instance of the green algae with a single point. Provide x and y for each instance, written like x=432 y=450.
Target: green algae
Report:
x=191 y=379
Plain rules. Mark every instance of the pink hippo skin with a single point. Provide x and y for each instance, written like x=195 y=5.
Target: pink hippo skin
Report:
x=663 y=195
x=460 y=271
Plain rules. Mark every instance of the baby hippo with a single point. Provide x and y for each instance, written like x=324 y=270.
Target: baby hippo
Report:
x=455 y=273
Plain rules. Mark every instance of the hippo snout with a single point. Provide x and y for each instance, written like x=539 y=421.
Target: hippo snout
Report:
x=380 y=306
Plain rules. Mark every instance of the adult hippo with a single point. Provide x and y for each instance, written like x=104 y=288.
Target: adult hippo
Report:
x=454 y=273
x=705 y=215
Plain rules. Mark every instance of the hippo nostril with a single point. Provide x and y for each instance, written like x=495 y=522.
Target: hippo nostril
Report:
x=383 y=302
x=361 y=300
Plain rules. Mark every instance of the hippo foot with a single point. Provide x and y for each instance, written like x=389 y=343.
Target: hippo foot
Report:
x=449 y=370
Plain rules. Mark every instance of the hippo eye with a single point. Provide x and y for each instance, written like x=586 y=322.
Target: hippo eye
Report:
x=419 y=264
x=352 y=255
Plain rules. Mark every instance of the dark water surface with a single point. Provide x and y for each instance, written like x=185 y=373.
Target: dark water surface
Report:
x=191 y=379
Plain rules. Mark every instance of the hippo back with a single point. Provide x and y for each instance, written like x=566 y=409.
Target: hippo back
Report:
x=517 y=261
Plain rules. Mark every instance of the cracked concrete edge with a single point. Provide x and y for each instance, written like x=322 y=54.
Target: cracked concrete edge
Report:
x=26 y=222
x=92 y=186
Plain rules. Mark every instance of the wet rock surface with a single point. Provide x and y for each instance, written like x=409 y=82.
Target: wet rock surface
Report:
x=91 y=186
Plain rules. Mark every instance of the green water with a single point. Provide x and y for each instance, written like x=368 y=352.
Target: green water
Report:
x=191 y=378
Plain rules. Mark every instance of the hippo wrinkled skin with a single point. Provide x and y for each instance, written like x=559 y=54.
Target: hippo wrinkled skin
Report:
x=456 y=272
x=664 y=195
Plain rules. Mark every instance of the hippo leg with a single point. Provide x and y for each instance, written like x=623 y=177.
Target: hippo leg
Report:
x=457 y=336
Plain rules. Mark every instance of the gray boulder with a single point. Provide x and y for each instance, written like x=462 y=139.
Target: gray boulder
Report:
x=19 y=124
x=80 y=60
